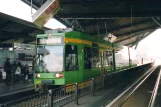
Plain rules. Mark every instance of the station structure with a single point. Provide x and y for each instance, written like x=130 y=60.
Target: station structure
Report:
x=123 y=22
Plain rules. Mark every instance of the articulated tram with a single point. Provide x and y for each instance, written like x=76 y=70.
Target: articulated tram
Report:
x=66 y=58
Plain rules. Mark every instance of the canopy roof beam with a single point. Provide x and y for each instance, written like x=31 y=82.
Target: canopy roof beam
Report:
x=140 y=39
x=124 y=26
x=156 y=21
x=136 y=31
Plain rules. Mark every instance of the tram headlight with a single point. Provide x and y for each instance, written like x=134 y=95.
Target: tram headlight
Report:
x=58 y=75
x=37 y=75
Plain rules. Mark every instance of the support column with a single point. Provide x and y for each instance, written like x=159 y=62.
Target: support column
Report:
x=113 y=57
x=76 y=93
x=51 y=98
x=129 y=57
x=93 y=86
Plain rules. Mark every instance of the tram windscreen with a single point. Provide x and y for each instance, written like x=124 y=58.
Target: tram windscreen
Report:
x=49 y=58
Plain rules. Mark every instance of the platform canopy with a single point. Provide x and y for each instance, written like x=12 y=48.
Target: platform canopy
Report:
x=129 y=20
x=17 y=30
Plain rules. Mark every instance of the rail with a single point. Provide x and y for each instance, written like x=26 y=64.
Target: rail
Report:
x=123 y=97
x=155 y=90
x=66 y=94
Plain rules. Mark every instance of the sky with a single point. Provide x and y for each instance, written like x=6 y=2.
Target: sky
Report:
x=21 y=10
x=150 y=46
x=151 y=43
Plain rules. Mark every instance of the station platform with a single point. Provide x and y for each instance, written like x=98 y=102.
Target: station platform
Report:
x=101 y=97
x=15 y=87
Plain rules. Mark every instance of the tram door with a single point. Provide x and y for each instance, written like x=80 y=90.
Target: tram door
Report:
x=107 y=61
x=101 y=56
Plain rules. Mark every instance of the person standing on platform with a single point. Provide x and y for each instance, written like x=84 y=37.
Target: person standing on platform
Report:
x=17 y=67
x=17 y=62
x=8 y=70
x=26 y=72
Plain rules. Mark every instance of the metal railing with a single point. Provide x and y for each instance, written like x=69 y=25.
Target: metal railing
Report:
x=38 y=100
x=84 y=88
x=66 y=94
x=59 y=96
x=62 y=95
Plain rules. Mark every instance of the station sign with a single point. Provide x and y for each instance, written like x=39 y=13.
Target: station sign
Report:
x=45 y=12
x=58 y=31
x=110 y=37
x=21 y=46
x=51 y=40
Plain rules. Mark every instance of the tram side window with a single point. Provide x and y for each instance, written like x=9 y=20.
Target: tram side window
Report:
x=87 y=57
x=91 y=57
x=71 y=58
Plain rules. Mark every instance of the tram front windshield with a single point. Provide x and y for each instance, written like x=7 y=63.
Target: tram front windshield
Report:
x=49 y=58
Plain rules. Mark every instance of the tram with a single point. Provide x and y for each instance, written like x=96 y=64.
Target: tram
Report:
x=69 y=57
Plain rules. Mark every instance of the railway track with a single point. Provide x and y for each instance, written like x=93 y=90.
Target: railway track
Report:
x=140 y=93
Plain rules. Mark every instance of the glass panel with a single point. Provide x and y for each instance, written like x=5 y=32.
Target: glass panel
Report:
x=91 y=57
x=133 y=57
x=49 y=58
x=95 y=57
x=122 y=58
x=71 y=58
x=87 y=57
x=107 y=61
x=108 y=58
